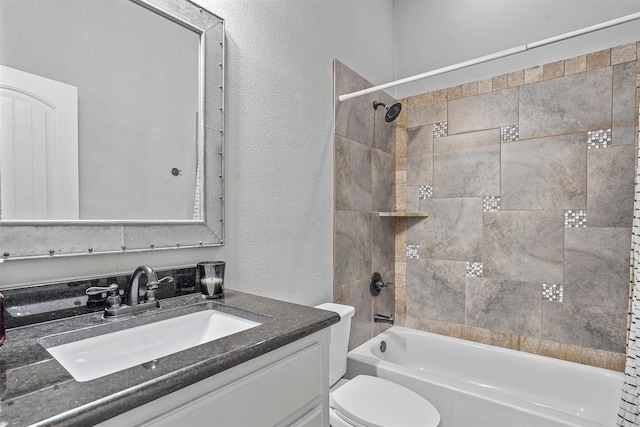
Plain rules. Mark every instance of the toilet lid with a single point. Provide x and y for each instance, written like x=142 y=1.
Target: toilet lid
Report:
x=376 y=402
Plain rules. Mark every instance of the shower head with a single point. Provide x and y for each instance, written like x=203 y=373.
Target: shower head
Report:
x=393 y=111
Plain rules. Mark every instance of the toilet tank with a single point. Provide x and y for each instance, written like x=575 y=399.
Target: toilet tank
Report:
x=339 y=345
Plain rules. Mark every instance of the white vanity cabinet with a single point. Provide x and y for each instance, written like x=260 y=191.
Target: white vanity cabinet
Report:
x=288 y=386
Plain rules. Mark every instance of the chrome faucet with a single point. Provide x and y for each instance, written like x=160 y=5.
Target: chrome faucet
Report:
x=114 y=306
x=133 y=292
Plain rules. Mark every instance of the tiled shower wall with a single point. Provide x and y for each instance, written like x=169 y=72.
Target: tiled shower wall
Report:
x=528 y=180
x=364 y=165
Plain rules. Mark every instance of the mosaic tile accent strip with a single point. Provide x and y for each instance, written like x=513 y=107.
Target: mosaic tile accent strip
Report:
x=552 y=292
x=599 y=138
x=425 y=192
x=440 y=129
x=575 y=219
x=474 y=269
x=509 y=133
x=491 y=204
x=413 y=251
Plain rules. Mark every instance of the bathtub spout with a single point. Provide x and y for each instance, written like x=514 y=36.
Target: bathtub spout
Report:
x=381 y=318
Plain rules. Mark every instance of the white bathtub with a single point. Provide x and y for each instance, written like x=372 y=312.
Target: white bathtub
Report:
x=477 y=385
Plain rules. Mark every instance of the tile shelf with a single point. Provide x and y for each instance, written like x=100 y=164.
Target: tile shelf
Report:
x=406 y=214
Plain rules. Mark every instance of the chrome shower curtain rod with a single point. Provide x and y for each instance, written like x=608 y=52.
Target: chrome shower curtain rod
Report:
x=497 y=55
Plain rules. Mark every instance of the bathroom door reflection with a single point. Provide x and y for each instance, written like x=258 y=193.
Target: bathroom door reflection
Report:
x=38 y=147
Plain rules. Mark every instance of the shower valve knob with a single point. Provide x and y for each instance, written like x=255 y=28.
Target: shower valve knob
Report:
x=377 y=284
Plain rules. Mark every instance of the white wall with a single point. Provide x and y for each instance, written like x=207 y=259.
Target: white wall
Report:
x=279 y=133
x=279 y=150
x=435 y=33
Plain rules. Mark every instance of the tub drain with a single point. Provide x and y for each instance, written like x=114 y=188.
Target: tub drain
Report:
x=383 y=346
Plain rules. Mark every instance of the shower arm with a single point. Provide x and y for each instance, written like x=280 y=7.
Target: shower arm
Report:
x=497 y=55
x=377 y=104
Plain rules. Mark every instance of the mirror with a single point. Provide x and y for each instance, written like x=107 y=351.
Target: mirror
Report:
x=115 y=140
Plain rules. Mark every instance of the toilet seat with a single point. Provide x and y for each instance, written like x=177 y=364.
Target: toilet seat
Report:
x=375 y=402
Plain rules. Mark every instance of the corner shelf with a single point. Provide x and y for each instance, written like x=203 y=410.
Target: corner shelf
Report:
x=405 y=214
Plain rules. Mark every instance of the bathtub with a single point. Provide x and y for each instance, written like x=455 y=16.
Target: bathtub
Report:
x=479 y=385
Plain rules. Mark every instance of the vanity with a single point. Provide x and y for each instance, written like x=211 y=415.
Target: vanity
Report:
x=274 y=373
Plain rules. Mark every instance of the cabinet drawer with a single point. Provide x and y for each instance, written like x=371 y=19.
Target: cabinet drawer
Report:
x=312 y=419
x=262 y=398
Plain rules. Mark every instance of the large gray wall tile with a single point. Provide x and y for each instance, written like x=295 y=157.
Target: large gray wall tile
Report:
x=354 y=117
x=352 y=246
x=420 y=170
x=624 y=103
x=570 y=104
x=383 y=181
x=596 y=266
x=352 y=168
x=420 y=156
x=467 y=164
x=437 y=290
x=487 y=111
x=453 y=230
x=587 y=326
x=524 y=246
x=610 y=186
x=420 y=141
x=509 y=306
x=413 y=230
x=382 y=252
x=413 y=198
x=427 y=115
x=545 y=173
x=357 y=295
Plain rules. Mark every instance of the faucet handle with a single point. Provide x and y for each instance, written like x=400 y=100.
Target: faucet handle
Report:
x=113 y=299
x=112 y=289
x=150 y=293
x=167 y=279
x=152 y=286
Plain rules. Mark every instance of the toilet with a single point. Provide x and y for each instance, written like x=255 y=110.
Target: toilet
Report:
x=367 y=401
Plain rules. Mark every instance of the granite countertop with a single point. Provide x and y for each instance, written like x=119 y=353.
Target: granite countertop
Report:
x=36 y=389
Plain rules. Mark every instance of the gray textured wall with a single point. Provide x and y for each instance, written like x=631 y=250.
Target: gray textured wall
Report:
x=364 y=169
x=532 y=190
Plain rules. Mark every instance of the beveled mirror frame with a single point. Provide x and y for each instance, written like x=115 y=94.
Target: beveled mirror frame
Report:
x=40 y=239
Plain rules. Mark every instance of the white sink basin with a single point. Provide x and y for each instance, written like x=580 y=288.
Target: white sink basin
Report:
x=95 y=357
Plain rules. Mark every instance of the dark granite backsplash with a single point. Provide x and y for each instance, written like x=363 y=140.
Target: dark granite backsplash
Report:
x=40 y=303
